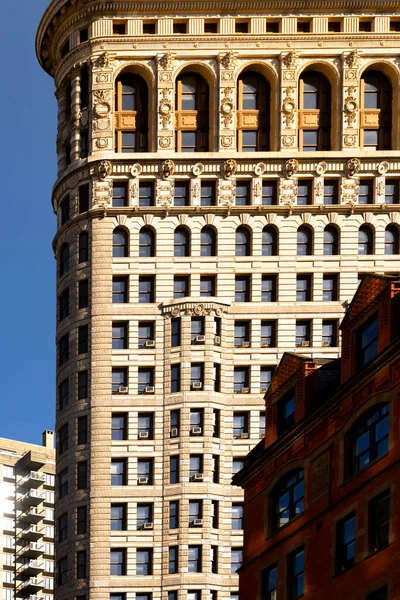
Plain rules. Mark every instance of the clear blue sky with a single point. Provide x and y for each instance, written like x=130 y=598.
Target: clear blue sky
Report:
x=27 y=266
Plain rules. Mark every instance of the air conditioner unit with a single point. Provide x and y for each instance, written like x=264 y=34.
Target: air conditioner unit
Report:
x=200 y=339
x=245 y=345
x=263 y=390
x=143 y=435
x=262 y=435
x=143 y=480
x=305 y=344
x=197 y=522
x=245 y=390
x=264 y=344
x=196 y=431
x=325 y=344
x=148 y=525
x=123 y=390
x=149 y=389
x=198 y=477
x=174 y=432
x=149 y=344
x=244 y=436
x=217 y=340
x=197 y=385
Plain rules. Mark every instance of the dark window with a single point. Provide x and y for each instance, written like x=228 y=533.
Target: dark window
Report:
x=63 y=305
x=304 y=288
x=145 y=425
x=215 y=514
x=197 y=329
x=146 y=243
x=237 y=465
x=270 y=583
x=82 y=475
x=242 y=334
x=81 y=520
x=120 y=245
x=118 y=471
x=241 y=380
x=304 y=241
x=268 y=334
x=144 y=515
x=331 y=192
x=63 y=394
x=330 y=288
x=181 y=242
x=334 y=26
x=241 y=26
x=64 y=259
x=119 y=336
x=391 y=240
x=83 y=35
x=242 y=288
x=179 y=27
x=175 y=332
x=63 y=483
x=83 y=293
x=243 y=242
x=64 y=49
x=181 y=193
x=194 y=559
x=118 y=517
x=196 y=376
x=83 y=251
x=63 y=438
x=286 y=412
x=367 y=341
x=83 y=198
x=208 y=242
x=392 y=195
x=210 y=27
x=82 y=429
x=262 y=424
x=365 y=240
x=149 y=28
x=64 y=211
x=83 y=390
x=304 y=192
x=119 y=28
x=379 y=522
x=237 y=516
x=266 y=374
x=236 y=559
x=345 y=543
x=240 y=425
x=268 y=288
x=269 y=242
x=329 y=333
x=119 y=379
x=146 y=334
x=207 y=192
x=365 y=26
x=119 y=426
x=84 y=144
x=217 y=377
x=315 y=96
x=271 y=27
x=175 y=422
x=146 y=290
x=144 y=561
x=119 y=194
x=145 y=468
x=215 y=468
x=118 y=562
x=181 y=286
x=214 y=567
x=369 y=438
x=145 y=380
x=120 y=289
x=146 y=194
x=303 y=333
x=174 y=469
x=81 y=564
x=216 y=416
x=331 y=241
x=366 y=191
x=195 y=511
x=174 y=514
x=207 y=286
x=242 y=192
x=63 y=350
x=63 y=528
x=381 y=594
x=173 y=559
x=195 y=465
x=62 y=571
x=269 y=192
x=83 y=339
x=303 y=26
x=296 y=569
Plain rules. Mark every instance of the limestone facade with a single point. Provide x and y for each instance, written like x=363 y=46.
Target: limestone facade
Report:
x=89 y=48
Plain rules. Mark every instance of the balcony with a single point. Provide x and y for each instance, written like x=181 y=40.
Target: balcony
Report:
x=31 y=567
x=31 y=533
x=32 y=515
x=33 y=479
x=33 y=584
x=31 y=550
x=31 y=498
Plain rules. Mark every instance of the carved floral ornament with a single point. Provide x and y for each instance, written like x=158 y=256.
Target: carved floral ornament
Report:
x=165 y=111
x=351 y=106
x=289 y=106
x=227 y=110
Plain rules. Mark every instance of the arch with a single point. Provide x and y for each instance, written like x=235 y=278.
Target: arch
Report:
x=390 y=130
x=316 y=94
x=132 y=111
x=243 y=241
x=63 y=260
x=269 y=241
x=120 y=244
x=83 y=247
x=208 y=242
x=288 y=498
x=392 y=239
x=181 y=242
x=331 y=240
x=193 y=110
x=365 y=240
x=304 y=241
x=368 y=438
x=254 y=107
x=146 y=242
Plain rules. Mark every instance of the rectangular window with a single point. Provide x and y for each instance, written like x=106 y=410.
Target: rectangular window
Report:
x=242 y=334
x=329 y=333
x=207 y=286
x=303 y=333
x=173 y=559
x=236 y=559
x=65 y=212
x=216 y=417
x=194 y=559
x=243 y=192
x=83 y=390
x=268 y=288
x=179 y=27
x=119 y=380
x=175 y=378
x=345 y=543
x=217 y=377
x=118 y=562
x=63 y=483
x=195 y=511
x=120 y=336
x=82 y=428
x=334 y=26
x=241 y=26
x=83 y=35
x=144 y=516
x=174 y=514
x=83 y=339
x=237 y=516
x=215 y=468
x=266 y=374
x=63 y=528
x=83 y=198
x=365 y=26
x=146 y=290
x=268 y=334
x=241 y=380
x=149 y=28
x=81 y=564
x=270 y=583
x=119 y=28
x=196 y=421
x=286 y=412
x=83 y=247
x=304 y=288
x=120 y=289
x=119 y=194
x=175 y=332
x=208 y=195
x=63 y=439
x=214 y=567
x=174 y=469
x=379 y=522
x=296 y=574
x=146 y=194
x=304 y=191
x=381 y=594
x=210 y=27
x=196 y=376
x=84 y=144
x=144 y=561
x=269 y=192
x=240 y=425
x=366 y=191
x=146 y=380
x=303 y=26
x=197 y=330
x=146 y=334
x=181 y=193
x=331 y=192
x=272 y=27
x=172 y=595
x=181 y=286
x=145 y=469
x=82 y=475
x=367 y=341
x=175 y=418
x=63 y=394
x=118 y=471
x=81 y=520
x=119 y=426
x=195 y=466
x=262 y=423
x=392 y=189
x=242 y=288
x=63 y=350
x=330 y=288
x=146 y=426
x=62 y=571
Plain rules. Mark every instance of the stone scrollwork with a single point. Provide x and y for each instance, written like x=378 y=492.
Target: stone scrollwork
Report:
x=136 y=169
x=321 y=168
x=227 y=108
x=165 y=111
x=164 y=142
x=104 y=169
x=289 y=106
x=351 y=106
x=229 y=168
x=175 y=311
x=350 y=140
x=353 y=167
x=291 y=167
x=383 y=167
x=167 y=168
x=260 y=169
x=198 y=169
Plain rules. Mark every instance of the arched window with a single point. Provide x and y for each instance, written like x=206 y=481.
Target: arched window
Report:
x=64 y=259
x=365 y=240
x=391 y=240
x=288 y=498
x=315 y=112
x=376 y=114
x=304 y=241
x=368 y=438
x=131 y=116
x=192 y=113
x=269 y=242
x=208 y=242
x=331 y=241
x=254 y=97
x=243 y=242
x=83 y=252
x=146 y=243
x=120 y=243
x=181 y=242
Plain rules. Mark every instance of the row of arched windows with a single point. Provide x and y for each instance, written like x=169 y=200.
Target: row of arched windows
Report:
x=255 y=111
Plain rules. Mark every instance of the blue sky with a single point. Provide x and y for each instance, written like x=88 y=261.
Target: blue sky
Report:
x=27 y=265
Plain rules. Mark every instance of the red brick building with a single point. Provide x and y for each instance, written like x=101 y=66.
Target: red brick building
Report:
x=322 y=493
